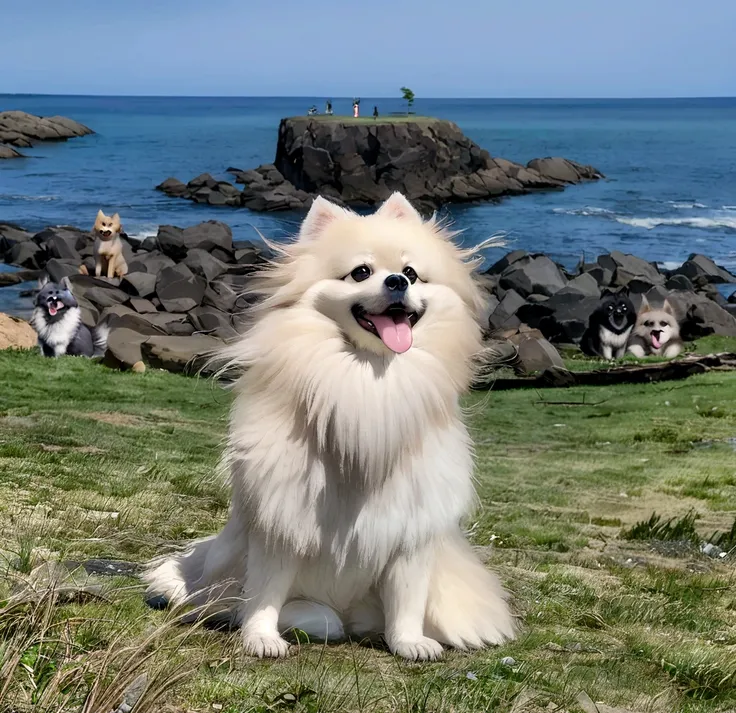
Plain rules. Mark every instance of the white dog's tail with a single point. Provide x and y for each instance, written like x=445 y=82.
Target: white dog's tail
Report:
x=209 y=570
x=467 y=605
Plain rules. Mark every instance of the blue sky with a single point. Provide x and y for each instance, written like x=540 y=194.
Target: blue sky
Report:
x=455 y=48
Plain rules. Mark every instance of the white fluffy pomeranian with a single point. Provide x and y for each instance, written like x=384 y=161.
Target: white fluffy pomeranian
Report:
x=350 y=465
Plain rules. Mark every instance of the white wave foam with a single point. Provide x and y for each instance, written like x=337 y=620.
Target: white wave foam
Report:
x=142 y=233
x=686 y=205
x=704 y=223
x=728 y=207
x=33 y=199
x=668 y=265
x=588 y=210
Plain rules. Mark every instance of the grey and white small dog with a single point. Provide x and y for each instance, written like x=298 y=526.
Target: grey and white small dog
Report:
x=57 y=320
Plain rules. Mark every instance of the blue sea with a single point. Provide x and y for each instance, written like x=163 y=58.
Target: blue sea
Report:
x=670 y=166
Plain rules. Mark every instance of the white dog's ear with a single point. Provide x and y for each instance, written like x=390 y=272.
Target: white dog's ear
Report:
x=100 y=214
x=667 y=307
x=645 y=306
x=398 y=206
x=43 y=281
x=66 y=284
x=321 y=214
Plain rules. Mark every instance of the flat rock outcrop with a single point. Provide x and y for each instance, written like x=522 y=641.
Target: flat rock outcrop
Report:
x=360 y=163
x=21 y=130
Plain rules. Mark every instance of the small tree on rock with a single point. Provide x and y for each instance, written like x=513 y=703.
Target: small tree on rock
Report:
x=408 y=96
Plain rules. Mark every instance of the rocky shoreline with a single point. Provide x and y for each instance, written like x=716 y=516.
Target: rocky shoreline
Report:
x=359 y=164
x=185 y=292
x=21 y=130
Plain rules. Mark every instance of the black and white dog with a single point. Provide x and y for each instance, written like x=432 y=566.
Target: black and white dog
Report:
x=57 y=320
x=609 y=326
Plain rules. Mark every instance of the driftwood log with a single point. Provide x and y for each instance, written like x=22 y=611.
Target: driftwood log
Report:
x=625 y=374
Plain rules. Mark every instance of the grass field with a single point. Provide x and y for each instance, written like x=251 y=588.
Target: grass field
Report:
x=101 y=464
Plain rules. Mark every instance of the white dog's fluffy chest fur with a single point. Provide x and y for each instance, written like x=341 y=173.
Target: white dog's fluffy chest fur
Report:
x=344 y=519
x=611 y=339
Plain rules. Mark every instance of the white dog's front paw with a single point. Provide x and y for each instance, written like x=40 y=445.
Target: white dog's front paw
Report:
x=422 y=649
x=264 y=646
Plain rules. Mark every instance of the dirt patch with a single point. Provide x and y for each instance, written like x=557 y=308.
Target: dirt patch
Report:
x=16 y=333
x=114 y=419
x=17 y=421
x=50 y=448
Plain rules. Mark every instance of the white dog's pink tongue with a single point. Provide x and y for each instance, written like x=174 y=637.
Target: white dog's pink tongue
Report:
x=655 y=341
x=394 y=330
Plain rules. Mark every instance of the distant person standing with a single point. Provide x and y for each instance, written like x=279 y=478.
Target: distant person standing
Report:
x=375 y=112
x=328 y=107
x=356 y=108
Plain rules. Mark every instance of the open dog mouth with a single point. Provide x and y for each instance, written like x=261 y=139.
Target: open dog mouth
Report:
x=618 y=320
x=53 y=306
x=106 y=233
x=656 y=335
x=393 y=326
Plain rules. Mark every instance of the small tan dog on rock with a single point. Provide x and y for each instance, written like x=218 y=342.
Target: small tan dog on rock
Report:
x=108 y=248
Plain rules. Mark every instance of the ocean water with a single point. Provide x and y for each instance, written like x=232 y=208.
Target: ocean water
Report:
x=670 y=166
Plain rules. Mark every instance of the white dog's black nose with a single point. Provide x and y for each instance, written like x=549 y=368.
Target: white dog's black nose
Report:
x=396 y=283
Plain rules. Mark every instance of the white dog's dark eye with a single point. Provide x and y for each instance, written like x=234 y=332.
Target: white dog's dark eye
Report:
x=410 y=273
x=360 y=273
x=663 y=324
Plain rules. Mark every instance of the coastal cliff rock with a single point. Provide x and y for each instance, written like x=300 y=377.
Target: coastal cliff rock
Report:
x=22 y=130
x=360 y=163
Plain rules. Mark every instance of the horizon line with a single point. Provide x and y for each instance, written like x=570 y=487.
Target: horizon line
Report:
x=394 y=97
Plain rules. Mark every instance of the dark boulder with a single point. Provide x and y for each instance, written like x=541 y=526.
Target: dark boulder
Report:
x=180 y=354
x=700 y=266
x=176 y=242
x=563 y=170
x=152 y=262
x=584 y=285
x=509 y=259
x=9 y=152
x=700 y=316
x=142 y=306
x=57 y=269
x=26 y=254
x=200 y=262
x=124 y=347
x=504 y=316
x=626 y=268
x=532 y=352
x=173 y=187
x=211 y=321
x=140 y=284
x=178 y=289
x=679 y=282
x=10 y=235
x=568 y=320
x=539 y=275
